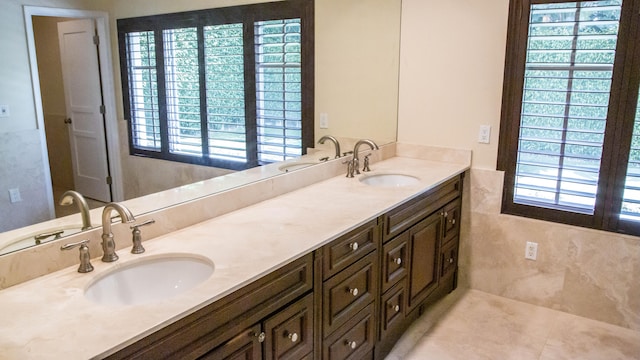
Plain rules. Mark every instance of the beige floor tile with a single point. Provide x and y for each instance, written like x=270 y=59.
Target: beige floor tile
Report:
x=473 y=325
x=575 y=337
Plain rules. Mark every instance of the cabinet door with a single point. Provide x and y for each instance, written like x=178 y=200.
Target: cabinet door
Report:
x=451 y=225
x=289 y=333
x=394 y=261
x=424 y=253
x=392 y=306
x=354 y=340
x=245 y=346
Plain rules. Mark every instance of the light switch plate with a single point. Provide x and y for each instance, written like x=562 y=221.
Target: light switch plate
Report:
x=324 y=121
x=484 y=135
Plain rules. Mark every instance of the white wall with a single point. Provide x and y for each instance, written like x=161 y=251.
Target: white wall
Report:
x=451 y=69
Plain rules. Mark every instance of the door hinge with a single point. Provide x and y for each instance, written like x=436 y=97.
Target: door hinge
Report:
x=103 y=110
x=96 y=39
x=109 y=180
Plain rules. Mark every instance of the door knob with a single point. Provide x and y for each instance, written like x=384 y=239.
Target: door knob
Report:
x=67 y=121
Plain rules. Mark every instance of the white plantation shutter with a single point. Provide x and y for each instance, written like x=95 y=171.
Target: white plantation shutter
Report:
x=569 y=67
x=278 y=89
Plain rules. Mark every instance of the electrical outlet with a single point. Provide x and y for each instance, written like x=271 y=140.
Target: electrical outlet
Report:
x=324 y=121
x=484 y=135
x=4 y=111
x=531 y=251
x=14 y=195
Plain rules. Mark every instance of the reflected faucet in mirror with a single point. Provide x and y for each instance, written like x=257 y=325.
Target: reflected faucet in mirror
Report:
x=334 y=141
x=69 y=197
x=108 y=243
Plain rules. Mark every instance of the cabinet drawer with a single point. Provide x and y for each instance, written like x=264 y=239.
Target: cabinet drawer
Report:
x=407 y=214
x=346 y=250
x=349 y=292
x=449 y=258
x=289 y=333
x=354 y=340
x=392 y=309
x=395 y=258
x=451 y=225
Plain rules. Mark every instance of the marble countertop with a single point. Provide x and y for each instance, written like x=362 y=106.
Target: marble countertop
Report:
x=49 y=317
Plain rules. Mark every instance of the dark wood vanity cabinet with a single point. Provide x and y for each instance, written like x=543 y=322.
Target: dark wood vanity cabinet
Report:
x=350 y=299
x=419 y=258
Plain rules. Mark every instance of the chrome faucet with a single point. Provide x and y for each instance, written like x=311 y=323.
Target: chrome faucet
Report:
x=69 y=197
x=356 y=160
x=108 y=244
x=335 y=142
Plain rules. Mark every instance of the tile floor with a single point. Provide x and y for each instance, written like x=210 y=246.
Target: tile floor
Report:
x=471 y=324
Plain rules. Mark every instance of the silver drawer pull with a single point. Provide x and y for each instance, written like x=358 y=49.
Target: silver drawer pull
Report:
x=451 y=261
x=351 y=344
x=398 y=261
x=354 y=291
x=354 y=246
x=396 y=308
x=293 y=337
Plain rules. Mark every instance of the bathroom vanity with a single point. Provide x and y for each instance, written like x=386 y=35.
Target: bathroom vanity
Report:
x=334 y=270
x=349 y=299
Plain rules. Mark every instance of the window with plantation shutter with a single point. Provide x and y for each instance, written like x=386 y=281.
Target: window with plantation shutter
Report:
x=225 y=87
x=564 y=133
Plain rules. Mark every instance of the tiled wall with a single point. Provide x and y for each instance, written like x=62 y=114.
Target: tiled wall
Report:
x=21 y=167
x=585 y=272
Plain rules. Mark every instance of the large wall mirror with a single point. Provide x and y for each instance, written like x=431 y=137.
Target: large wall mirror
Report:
x=356 y=92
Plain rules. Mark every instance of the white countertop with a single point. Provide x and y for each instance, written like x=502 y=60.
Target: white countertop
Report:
x=50 y=318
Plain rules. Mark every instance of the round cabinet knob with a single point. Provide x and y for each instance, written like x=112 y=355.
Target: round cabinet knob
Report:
x=398 y=261
x=293 y=337
x=354 y=246
x=261 y=336
x=451 y=261
x=396 y=308
x=354 y=291
x=351 y=344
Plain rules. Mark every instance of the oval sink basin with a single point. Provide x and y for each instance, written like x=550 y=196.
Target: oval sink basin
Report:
x=389 y=180
x=292 y=166
x=151 y=279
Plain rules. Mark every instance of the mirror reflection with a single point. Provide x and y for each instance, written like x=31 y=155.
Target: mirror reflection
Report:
x=356 y=91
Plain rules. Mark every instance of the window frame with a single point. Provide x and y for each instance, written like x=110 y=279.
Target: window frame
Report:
x=617 y=140
x=248 y=15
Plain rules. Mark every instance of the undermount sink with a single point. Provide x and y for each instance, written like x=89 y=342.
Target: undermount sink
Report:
x=150 y=279
x=389 y=180
x=292 y=166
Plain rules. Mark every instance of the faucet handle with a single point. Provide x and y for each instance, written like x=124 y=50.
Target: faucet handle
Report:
x=347 y=153
x=85 y=263
x=137 y=247
x=365 y=167
x=350 y=168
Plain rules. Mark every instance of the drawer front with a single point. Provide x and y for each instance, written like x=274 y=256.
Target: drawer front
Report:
x=451 y=214
x=349 y=248
x=289 y=333
x=392 y=309
x=354 y=340
x=409 y=213
x=395 y=258
x=349 y=292
x=449 y=258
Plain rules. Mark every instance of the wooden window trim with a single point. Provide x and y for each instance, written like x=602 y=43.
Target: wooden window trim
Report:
x=626 y=78
x=248 y=14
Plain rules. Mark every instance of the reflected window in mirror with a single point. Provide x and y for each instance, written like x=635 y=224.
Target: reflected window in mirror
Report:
x=227 y=87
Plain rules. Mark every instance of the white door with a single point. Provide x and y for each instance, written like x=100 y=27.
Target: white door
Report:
x=83 y=98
